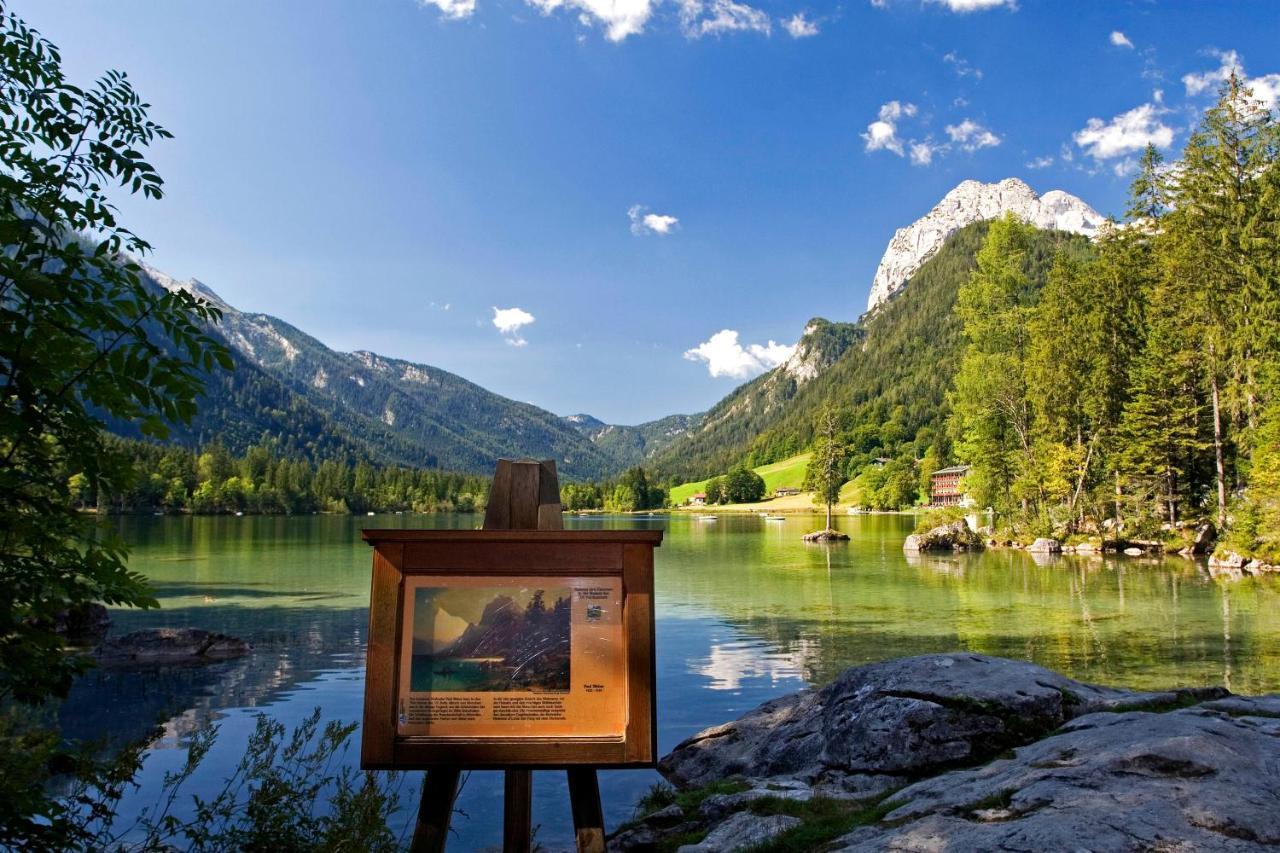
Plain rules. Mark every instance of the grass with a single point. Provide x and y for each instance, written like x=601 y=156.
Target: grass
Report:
x=824 y=821
x=789 y=473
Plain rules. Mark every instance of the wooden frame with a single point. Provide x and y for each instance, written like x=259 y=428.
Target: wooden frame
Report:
x=402 y=554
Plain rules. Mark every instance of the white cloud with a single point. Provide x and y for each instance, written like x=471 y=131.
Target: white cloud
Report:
x=1124 y=134
x=619 y=18
x=509 y=322
x=883 y=133
x=971 y=136
x=964 y=6
x=922 y=152
x=724 y=356
x=1040 y=163
x=1119 y=39
x=698 y=19
x=644 y=223
x=453 y=10
x=1265 y=88
x=798 y=26
x=961 y=66
x=1229 y=63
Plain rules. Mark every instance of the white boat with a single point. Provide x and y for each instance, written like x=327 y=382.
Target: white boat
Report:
x=775 y=518
x=706 y=518
x=368 y=513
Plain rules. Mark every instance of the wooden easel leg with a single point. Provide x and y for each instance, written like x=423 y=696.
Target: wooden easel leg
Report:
x=435 y=810
x=517 y=813
x=588 y=816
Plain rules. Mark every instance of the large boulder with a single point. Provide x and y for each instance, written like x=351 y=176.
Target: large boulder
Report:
x=955 y=536
x=162 y=646
x=879 y=725
x=1045 y=546
x=1201 y=778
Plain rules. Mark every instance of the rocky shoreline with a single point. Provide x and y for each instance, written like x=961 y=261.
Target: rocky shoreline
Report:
x=969 y=752
x=958 y=536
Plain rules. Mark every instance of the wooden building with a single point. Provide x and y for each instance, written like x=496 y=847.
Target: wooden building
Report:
x=945 y=487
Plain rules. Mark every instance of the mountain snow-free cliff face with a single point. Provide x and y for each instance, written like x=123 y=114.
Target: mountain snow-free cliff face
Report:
x=973 y=201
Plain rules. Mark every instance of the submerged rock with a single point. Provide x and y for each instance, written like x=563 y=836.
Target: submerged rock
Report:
x=158 y=646
x=826 y=536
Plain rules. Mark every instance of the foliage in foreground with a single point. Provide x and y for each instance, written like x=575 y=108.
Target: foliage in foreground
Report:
x=290 y=791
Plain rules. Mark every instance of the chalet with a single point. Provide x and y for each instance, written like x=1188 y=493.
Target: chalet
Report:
x=945 y=488
x=785 y=492
x=700 y=499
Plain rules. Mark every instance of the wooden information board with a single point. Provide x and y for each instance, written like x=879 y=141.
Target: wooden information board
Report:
x=500 y=648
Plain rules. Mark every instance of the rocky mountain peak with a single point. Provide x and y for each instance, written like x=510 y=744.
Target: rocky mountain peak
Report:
x=822 y=343
x=973 y=201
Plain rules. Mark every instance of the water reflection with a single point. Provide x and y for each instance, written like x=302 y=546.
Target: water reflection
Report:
x=745 y=612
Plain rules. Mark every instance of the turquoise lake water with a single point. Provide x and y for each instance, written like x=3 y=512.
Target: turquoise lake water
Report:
x=745 y=612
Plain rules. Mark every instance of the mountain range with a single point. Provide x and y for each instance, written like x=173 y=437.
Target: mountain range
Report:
x=895 y=361
x=290 y=388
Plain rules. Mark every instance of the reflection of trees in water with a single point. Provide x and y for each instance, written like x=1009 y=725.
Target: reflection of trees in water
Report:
x=1141 y=623
x=291 y=646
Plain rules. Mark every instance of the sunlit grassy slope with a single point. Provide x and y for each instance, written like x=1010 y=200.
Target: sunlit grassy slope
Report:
x=787 y=473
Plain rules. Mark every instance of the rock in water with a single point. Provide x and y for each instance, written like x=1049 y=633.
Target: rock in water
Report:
x=1201 y=778
x=955 y=536
x=159 y=646
x=1045 y=546
x=83 y=625
x=879 y=725
x=973 y=201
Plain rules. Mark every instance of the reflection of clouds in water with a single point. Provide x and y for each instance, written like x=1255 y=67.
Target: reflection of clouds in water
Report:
x=728 y=664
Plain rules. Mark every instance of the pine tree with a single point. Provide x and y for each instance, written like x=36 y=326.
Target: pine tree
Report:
x=990 y=412
x=825 y=474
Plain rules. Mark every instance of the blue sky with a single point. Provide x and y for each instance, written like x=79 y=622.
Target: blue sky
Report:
x=558 y=199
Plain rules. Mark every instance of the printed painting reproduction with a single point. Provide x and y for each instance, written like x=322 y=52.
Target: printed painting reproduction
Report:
x=487 y=639
x=500 y=657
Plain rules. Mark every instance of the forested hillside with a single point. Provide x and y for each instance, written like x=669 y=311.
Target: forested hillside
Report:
x=291 y=391
x=892 y=379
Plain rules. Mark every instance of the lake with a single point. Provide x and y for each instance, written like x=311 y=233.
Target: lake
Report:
x=745 y=612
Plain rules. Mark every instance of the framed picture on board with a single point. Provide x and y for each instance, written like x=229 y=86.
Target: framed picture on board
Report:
x=502 y=648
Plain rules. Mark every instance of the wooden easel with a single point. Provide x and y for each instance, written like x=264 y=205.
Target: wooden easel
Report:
x=525 y=495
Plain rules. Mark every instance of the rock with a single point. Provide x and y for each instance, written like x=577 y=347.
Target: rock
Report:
x=742 y=830
x=955 y=536
x=826 y=536
x=971 y=202
x=1045 y=546
x=1134 y=552
x=879 y=724
x=1229 y=560
x=1206 y=535
x=157 y=646
x=83 y=625
x=1205 y=778
x=637 y=838
x=670 y=816
x=1088 y=548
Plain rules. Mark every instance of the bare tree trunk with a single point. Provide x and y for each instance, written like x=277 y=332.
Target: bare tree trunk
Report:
x=828 y=515
x=1218 y=459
